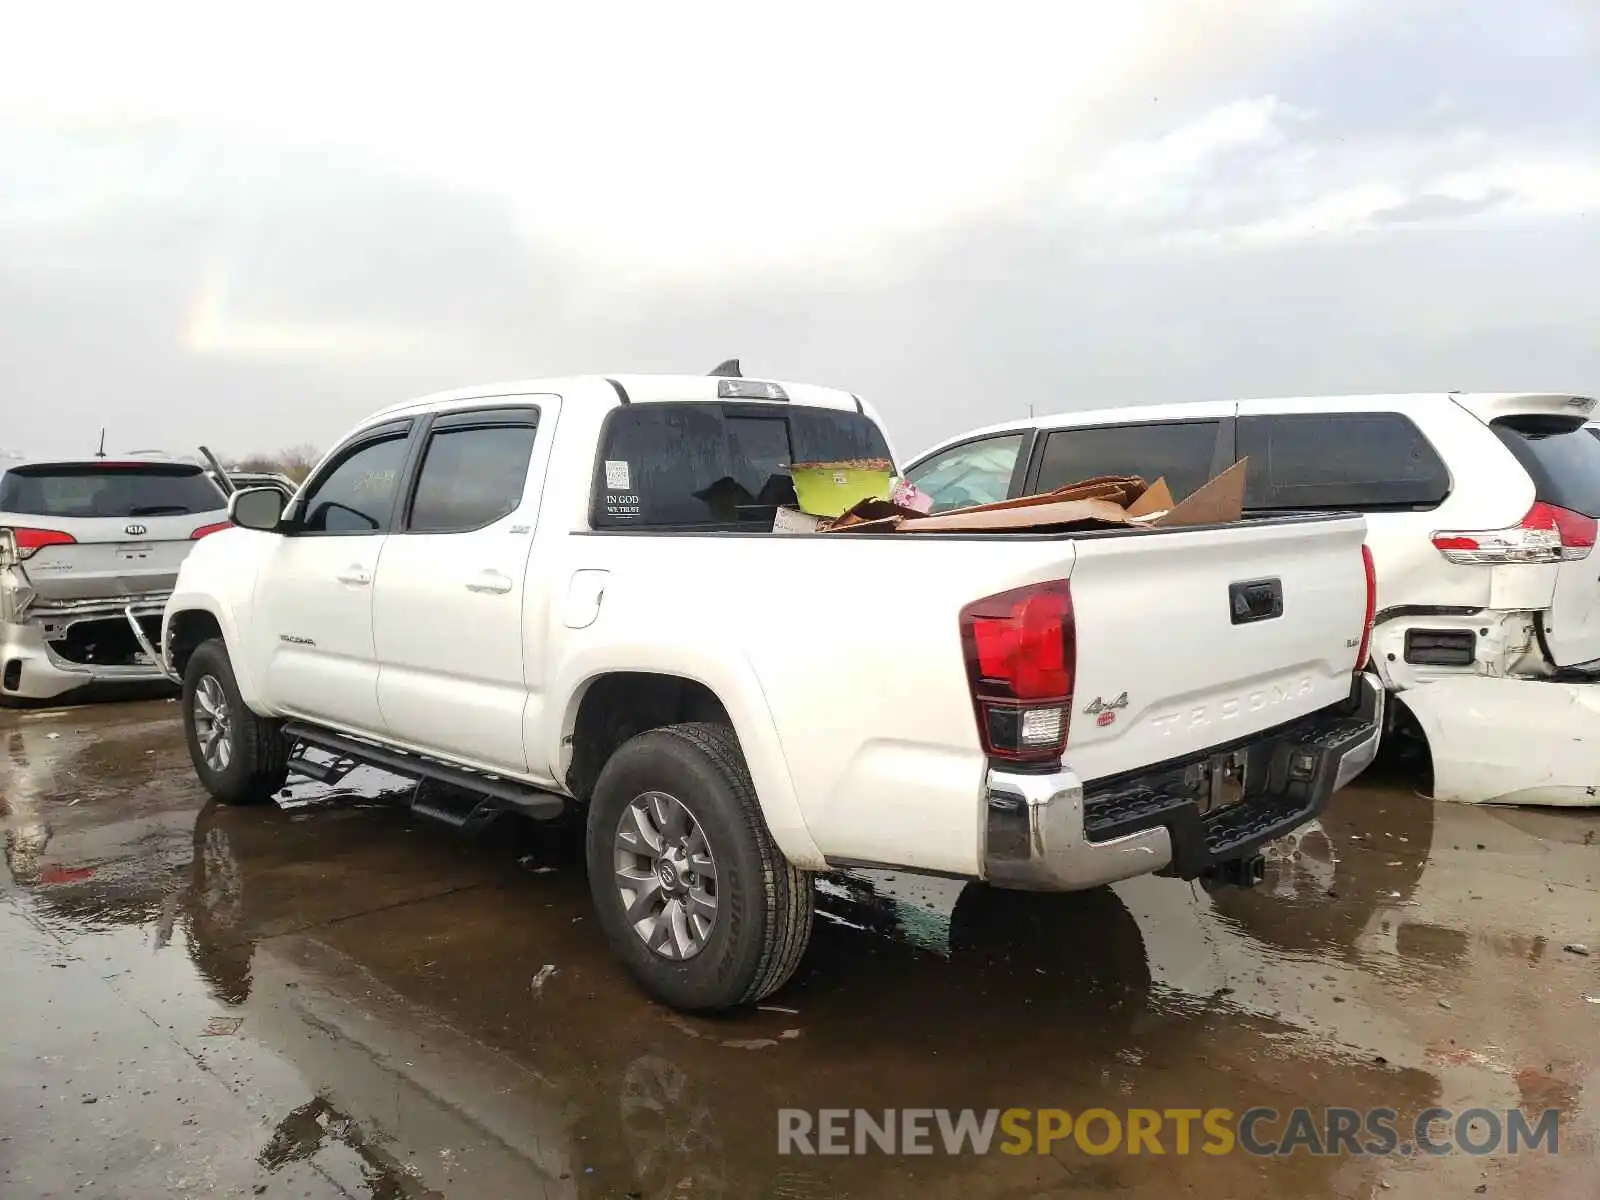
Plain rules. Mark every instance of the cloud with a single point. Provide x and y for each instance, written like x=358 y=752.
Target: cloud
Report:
x=691 y=134
x=1168 y=166
x=1263 y=171
x=695 y=138
x=1433 y=207
x=1066 y=207
x=1506 y=190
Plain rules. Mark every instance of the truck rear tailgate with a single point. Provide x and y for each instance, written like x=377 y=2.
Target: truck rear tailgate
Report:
x=1195 y=638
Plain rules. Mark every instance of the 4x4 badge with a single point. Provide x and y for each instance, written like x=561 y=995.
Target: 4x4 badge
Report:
x=1097 y=705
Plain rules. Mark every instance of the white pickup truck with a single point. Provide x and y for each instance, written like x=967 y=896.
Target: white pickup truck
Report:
x=565 y=597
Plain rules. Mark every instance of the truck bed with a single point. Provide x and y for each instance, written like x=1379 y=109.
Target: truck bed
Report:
x=855 y=642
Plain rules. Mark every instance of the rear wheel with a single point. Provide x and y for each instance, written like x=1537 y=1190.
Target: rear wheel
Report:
x=692 y=892
x=240 y=758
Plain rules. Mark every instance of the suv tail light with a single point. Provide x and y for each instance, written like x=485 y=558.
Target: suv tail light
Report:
x=1021 y=651
x=1372 y=607
x=30 y=541
x=1546 y=535
x=205 y=529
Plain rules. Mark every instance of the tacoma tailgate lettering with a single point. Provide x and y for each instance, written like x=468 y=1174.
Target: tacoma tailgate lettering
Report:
x=1216 y=711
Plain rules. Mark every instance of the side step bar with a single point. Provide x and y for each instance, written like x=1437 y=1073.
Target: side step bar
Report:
x=530 y=801
x=329 y=772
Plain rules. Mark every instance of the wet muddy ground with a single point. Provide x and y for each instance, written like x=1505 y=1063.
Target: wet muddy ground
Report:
x=337 y=999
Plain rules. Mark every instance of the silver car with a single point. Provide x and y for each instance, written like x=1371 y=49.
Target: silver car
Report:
x=89 y=552
x=239 y=480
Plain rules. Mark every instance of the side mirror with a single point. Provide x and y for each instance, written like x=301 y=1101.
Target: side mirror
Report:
x=256 y=508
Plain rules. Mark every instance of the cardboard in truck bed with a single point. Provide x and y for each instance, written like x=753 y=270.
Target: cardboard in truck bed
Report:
x=1055 y=514
x=792 y=520
x=872 y=510
x=1217 y=502
x=1116 y=490
x=1120 y=489
x=1155 y=500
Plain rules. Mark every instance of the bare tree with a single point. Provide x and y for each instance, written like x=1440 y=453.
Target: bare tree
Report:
x=296 y=462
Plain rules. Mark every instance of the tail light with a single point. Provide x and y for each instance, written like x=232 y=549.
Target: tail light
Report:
x=30 y=541
x=1546 y=535
x=205 y=529
x=1372 y=607
x=1021 y=651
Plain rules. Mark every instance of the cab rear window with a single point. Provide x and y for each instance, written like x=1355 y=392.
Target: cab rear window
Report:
x=1560 y=455
x=716 y=466
x=108 y=490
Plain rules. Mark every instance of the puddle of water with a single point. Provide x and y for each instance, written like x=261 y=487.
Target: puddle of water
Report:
x=361 y=984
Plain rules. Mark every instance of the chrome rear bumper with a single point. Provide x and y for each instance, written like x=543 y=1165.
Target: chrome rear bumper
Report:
x=1048 y=833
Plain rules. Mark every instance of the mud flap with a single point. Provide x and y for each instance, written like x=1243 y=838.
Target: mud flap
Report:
x=1511 y=741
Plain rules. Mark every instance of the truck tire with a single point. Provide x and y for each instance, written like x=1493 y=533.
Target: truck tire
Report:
x=692 y=892
x=245 y=761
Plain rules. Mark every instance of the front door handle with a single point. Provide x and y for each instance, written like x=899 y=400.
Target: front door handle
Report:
x=491 y=582
x=355 y=575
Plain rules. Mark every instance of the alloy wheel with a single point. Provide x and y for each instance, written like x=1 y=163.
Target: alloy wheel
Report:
x=666 y=875
x=213 y=723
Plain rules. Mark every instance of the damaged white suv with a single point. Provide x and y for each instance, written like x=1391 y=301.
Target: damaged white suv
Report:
x=1481 y=519
x=89 y=550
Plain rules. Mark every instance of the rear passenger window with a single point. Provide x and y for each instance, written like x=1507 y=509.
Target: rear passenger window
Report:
x=1181 y=452
x=470 y=478
x=1361 y=461
x=710 y=465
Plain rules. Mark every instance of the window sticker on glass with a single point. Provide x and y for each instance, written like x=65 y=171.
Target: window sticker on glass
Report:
x=623 y=505
x=617 y=476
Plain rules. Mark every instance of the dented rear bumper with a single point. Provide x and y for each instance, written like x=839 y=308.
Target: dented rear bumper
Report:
x=1511 y=741
x=71 y=650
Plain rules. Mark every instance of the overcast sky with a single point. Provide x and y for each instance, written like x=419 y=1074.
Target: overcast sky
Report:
x=252 y=233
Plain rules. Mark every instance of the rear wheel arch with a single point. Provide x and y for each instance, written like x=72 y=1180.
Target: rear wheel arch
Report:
x=618 y=705
x=1405 y=740
x=732 y=697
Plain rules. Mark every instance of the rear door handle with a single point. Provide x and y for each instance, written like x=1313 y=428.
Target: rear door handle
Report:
x=355 y=575
x=1255 y=600
x=491 y=582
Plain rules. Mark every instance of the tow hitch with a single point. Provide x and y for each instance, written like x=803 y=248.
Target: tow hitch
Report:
x=1239 y=872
